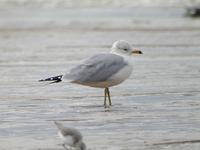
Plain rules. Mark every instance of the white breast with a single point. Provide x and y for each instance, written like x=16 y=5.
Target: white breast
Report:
x=121 y=75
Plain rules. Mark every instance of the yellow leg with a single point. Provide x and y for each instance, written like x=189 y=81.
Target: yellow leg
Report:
x=108 y=92
x=105 y=95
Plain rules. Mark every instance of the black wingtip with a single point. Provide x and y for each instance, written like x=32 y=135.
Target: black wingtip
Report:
x=55 y=79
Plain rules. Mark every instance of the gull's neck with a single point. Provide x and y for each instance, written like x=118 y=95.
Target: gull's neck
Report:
x=127 y=58
x=120 y=54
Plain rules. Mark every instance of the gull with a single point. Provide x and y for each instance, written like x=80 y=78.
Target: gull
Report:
x=102 y=70
x=72 y=138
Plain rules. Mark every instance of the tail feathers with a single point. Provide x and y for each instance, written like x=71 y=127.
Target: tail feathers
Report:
x=54 y=79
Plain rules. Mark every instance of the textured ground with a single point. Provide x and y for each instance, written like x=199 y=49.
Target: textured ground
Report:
x=158 y=104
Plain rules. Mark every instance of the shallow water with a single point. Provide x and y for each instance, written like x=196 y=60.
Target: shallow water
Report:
x=158 y=104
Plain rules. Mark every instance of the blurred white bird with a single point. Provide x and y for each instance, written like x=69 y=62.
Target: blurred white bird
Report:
x=72 y=138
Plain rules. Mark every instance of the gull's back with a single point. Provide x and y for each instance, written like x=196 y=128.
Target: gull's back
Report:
x=97 y=68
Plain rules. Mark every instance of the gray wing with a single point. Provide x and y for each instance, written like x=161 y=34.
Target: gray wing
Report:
x=97 y=68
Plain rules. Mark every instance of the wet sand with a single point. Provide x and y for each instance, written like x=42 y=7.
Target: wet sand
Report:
x=158 y=104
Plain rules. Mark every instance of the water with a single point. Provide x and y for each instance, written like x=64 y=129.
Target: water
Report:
x=158 y=104
x=96 y=4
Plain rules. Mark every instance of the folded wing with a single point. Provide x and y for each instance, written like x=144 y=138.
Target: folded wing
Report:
x=97 y=68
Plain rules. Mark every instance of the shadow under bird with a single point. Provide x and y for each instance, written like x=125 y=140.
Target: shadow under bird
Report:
x=72 y=138
x=102 y=70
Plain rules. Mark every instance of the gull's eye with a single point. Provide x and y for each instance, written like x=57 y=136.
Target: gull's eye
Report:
x=125 y=49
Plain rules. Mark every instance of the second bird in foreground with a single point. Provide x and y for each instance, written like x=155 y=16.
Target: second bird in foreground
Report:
x=102 y=70
x=72 y=138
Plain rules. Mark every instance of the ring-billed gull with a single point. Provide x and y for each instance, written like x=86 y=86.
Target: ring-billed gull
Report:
x=72 y=138
x=102 y=70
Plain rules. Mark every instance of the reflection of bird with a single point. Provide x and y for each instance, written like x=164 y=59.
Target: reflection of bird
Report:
x=102 y=70
x=72 y=138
